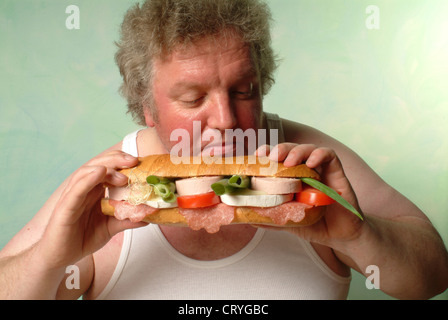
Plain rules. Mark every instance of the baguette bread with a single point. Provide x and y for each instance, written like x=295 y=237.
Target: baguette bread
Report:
x=162 y=166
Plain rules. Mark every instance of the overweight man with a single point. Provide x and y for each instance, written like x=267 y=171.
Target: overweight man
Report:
x=211 y=63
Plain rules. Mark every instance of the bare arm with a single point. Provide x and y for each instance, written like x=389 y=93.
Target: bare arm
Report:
x=396 y=236
x=66 y=231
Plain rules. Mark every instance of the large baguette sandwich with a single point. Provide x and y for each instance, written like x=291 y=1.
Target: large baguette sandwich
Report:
x=205 y=194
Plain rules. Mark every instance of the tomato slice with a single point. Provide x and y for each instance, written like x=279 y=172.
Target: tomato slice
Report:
x=313 y=197
x=198 y=200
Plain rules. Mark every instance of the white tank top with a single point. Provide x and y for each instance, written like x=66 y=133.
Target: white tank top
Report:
x=273 y=265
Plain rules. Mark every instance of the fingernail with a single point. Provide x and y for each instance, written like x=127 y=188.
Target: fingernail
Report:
x=119 y=175
x=262 y=151
x=95 y=169
x=274 y=154
x=129 y=157
x=310 y=162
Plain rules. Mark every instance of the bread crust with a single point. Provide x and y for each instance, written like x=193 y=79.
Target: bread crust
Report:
x=162 y=165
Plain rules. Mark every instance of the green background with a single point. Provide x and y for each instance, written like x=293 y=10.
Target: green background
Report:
x=382 y=92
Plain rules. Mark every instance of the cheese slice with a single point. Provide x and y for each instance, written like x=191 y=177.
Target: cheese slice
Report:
x=157 y=202
x=257 y=200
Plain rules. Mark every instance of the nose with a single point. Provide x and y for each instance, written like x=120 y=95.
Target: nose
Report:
x=221 y=113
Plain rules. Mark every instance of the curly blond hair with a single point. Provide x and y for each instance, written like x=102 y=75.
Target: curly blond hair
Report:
x=154 y=29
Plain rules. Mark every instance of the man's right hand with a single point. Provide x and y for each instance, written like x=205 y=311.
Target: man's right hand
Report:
x=77 y=226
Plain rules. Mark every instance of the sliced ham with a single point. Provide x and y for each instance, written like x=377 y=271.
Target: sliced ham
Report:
x=290 y=211
x=209 y=218
x=124 y=210
x=212 y=218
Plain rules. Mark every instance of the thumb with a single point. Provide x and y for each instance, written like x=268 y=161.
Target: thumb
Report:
x=115 y=226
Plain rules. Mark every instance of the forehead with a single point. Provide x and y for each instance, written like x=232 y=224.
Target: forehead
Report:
x=212 y=53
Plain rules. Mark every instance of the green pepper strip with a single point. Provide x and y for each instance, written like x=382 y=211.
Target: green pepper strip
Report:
x=222 y=187
x=163 y=187
x=238 y=181
x=332 y=194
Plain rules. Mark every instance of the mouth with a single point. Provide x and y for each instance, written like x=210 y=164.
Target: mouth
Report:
x=214 y=143
x=225 y=150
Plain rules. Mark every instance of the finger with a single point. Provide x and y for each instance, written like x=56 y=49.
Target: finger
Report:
x=112 y=178
x=75 y=177
x=115 y=178
x=328 y=160
x=263 y=151
x=281 y=151
x=330 y=163
x=115 y=226
x=93 y=198
x=298 y=154
x=75 y=197
x=320 y=156
x=114 y=159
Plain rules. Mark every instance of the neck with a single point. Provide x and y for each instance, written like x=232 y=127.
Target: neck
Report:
x=200 y=245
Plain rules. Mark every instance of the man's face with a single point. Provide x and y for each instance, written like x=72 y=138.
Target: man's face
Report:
x=213 y=82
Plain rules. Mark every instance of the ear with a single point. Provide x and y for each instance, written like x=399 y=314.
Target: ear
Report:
x=149 y=119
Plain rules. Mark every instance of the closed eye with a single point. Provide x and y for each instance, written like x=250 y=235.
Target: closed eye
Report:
x=192 y=102
x=242 y=95
x=245 y=92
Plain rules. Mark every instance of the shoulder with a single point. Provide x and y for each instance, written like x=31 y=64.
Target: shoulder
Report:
x=361 y=176
x=354 y=166
x=148 y=142
x=364 y=180
x=303 y=134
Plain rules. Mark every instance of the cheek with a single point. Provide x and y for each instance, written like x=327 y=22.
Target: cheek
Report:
x=250 y=116
x=173 y=119
x=182 y=126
